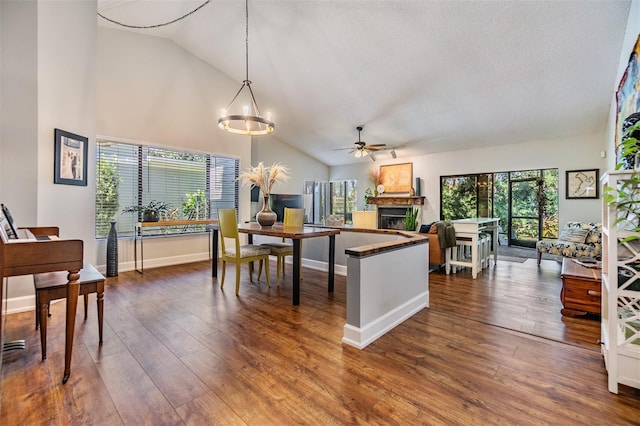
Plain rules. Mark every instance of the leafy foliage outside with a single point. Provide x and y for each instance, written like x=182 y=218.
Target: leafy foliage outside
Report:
x=194 y=206
x=107 y=183
x=534 y=198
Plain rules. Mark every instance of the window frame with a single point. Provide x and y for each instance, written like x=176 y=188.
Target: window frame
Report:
x=214 y=176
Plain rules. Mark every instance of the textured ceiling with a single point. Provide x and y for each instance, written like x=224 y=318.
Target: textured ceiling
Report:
x=429 y=76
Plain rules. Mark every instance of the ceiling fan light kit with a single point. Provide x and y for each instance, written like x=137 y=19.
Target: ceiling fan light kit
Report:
x=249 y=121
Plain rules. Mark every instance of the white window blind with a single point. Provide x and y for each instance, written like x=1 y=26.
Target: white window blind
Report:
x=194 y=185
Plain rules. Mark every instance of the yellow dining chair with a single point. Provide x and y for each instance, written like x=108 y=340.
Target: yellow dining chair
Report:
x=292 y=218
x=238 y=254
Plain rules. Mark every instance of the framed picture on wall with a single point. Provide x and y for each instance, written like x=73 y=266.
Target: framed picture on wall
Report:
x=582 y=184
x=70 y=158
x=627 y=100
x=396 y=178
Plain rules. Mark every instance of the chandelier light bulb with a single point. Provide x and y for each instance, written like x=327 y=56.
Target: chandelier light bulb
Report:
x=245 y=110
x=223 y=112
x=269 y=115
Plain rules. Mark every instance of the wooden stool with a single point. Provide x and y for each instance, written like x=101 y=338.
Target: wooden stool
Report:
x=52 y=286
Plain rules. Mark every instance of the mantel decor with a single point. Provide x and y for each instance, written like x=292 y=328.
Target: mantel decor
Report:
x=397 y=178
x=70 y=158
x=582 y=184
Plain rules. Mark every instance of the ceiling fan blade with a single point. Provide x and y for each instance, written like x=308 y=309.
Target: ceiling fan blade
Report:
x=371 y=148
x=377 y=144
x=342 y=149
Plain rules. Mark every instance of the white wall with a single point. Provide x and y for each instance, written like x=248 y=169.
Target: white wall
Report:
x=269 y=150
x=152 y=91
x=19 y=110
x=48 y=81
x=579 y=152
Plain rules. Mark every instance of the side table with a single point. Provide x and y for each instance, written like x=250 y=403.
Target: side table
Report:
x=581 y=289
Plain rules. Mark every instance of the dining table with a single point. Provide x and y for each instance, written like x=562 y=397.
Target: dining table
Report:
x=296 y=234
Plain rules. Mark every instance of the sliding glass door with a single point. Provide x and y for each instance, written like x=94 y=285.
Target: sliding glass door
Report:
x=525 y=201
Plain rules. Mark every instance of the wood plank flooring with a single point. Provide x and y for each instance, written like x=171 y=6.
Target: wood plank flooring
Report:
x=178 y=350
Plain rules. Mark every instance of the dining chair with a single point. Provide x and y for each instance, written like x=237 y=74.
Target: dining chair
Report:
x=292 y=218
x=237 y=253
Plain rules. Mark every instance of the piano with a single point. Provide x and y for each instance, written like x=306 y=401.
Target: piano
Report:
x=31 y=254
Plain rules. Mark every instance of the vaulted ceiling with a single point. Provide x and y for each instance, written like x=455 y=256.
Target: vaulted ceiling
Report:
x=429 y=76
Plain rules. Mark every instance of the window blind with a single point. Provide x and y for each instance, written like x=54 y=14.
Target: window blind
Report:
x=193 y=184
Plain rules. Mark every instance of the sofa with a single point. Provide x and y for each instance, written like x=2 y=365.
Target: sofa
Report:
x=576 y=239
x=436 y=247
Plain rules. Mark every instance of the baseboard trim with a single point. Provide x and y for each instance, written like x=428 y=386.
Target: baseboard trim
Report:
x=361 y=337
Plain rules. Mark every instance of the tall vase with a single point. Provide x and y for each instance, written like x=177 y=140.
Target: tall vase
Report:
x=112 y=251
x=266 y=216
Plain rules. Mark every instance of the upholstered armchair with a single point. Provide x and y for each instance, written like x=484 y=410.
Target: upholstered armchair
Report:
x=576 y=239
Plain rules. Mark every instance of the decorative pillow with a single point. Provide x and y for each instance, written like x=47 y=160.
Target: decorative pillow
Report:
x=573 y=235
x=424 y=228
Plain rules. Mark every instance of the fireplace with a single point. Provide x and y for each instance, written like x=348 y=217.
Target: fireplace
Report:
x=392 y=209
x=391 y=217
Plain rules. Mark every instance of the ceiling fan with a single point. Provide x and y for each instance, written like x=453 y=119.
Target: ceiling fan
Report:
x=362 y=149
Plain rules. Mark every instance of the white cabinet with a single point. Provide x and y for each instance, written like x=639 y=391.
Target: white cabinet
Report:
x=620 y=292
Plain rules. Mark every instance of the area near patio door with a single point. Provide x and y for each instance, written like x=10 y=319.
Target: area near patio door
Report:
x=526 y=202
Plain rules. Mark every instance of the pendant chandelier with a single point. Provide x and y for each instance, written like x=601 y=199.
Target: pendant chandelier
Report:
x=248 y=121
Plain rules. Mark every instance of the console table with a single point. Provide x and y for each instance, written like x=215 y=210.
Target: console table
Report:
x=139 y=235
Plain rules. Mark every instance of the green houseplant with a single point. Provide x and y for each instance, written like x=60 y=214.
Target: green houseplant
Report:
x=411 y=219
x=151 y=212
x=626 y=197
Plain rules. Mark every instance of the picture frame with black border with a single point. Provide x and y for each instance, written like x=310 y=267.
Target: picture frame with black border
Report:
x=70 y=158
x=582 y=184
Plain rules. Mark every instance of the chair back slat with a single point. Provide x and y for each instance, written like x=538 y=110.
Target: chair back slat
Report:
x=293 y=217
x=228 y=224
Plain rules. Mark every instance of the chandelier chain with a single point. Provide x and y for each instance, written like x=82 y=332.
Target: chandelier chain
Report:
x=157 y=25
x=246 y=36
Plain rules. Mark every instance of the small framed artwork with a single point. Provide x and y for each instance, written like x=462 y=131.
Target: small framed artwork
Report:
x=582 y=184
x=70 y=158
x=396 y=178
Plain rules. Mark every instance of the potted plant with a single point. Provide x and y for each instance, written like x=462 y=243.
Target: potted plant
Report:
x=264 y=178
x=626 y=197
x=151 y=212
x=411 y=219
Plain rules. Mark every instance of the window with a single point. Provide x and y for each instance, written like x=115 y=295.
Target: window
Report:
x=194 y=185
x=343 y=199
x=526 y=202
x=315 y=201
x=333 y=198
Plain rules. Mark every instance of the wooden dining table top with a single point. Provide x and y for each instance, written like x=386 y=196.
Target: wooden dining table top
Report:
x=279 y=230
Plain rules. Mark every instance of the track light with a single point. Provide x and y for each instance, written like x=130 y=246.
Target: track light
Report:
x=393 y=153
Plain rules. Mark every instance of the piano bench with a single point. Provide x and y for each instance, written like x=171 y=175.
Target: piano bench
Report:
x=52 y=286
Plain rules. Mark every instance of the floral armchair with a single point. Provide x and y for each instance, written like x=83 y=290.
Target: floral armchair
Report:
x=576 y=239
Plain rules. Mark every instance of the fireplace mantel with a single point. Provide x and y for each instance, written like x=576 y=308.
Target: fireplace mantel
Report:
x=390 y=200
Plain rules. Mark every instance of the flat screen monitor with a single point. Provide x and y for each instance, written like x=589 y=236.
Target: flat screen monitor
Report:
x=279 y=201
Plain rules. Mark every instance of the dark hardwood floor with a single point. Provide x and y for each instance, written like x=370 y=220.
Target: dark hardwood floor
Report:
x=178 y=350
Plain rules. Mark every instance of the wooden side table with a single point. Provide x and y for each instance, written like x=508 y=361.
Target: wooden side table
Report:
x=581 y=289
